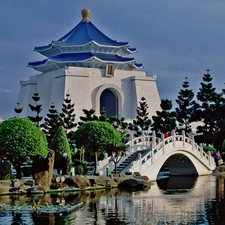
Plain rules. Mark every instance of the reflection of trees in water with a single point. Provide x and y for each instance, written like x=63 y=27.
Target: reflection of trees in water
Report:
x=114 y=217
x=215 y=209
x=46 y=219
x=109 y=212
x=16 y=219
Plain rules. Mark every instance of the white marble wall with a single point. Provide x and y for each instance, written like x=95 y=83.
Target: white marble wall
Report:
x=85 y=86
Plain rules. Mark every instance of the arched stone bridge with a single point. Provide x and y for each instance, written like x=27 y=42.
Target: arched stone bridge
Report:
x=147 y=154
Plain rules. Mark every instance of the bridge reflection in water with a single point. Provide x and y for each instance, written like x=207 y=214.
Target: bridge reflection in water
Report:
x=183 y=200
x=180 y=200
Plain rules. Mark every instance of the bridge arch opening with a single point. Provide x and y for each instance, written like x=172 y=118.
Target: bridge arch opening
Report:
x=180 y=164
x=181 y=177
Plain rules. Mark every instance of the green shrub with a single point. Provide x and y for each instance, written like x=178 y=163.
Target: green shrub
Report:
x=78 y=164
x=5 y=171
x=79 y=170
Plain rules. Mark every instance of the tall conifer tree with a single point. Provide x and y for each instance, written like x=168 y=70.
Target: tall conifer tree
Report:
x=36 y=108
x=52 y=123
x=206 y=110
x=142 y=122
x=184 y=111
x=68 y=119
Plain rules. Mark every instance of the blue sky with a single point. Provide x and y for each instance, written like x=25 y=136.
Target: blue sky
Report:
x=174 y=38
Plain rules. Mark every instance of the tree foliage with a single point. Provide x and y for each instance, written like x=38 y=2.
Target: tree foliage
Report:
x=209 y=101
x=36 y=108
x=95 y=136
x=184 y=111
x=52 y=123
x=18 y=110
x=67 y=114
x=117 y=122
x=21 y=140
x=142 y=122
x=68 y=119
x=165 y=120
x=60 y=145
x=116 y=153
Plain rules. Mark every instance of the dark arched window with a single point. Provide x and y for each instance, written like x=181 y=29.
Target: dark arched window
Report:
x=109 y=102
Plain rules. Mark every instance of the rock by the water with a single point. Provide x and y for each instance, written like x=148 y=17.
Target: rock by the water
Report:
x=132 y=183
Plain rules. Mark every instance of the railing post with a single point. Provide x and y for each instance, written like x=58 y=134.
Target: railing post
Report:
x=183 y=134
x=140 y=163
x=201 y=151
x=209 y=157
x=143 y=139
x=174 y=138
x=153 y=139
x=163 y=141
x=193 y=142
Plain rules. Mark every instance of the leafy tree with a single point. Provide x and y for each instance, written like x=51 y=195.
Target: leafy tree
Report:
x=21 y=140
x=184 y=111
x=142 y=122
x=95 y=136
x=116 y=153
x=52 y=123
x=206 y=111
x=164 y=121
x=68 y=119
x=60 y=145
x=36 y=108
x=117 y=122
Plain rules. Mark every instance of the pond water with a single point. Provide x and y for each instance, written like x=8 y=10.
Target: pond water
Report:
x=175 y=201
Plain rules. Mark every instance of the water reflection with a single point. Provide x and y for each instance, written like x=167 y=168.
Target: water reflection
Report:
x=177 y=184
x=179 y=200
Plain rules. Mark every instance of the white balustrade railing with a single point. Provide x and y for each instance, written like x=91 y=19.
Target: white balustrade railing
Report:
x=157 y=148
x=172 y=143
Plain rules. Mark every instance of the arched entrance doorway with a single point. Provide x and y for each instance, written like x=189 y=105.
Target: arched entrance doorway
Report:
x=109 y=102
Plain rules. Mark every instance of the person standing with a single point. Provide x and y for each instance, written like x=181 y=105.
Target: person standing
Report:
x=218 y=158
x=64 y=164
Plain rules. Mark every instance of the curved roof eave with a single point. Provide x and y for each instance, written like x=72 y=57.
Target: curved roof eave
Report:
x=125 y=44
x=59 y=44
x=39 y=64
x=90 y=59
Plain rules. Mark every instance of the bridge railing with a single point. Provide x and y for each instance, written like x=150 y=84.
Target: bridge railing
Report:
x=134 y=145
x=171 y=143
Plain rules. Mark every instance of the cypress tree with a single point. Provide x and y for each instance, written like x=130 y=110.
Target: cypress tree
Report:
x=60 y=145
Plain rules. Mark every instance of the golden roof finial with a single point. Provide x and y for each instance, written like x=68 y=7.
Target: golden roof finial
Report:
x=85 y=14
